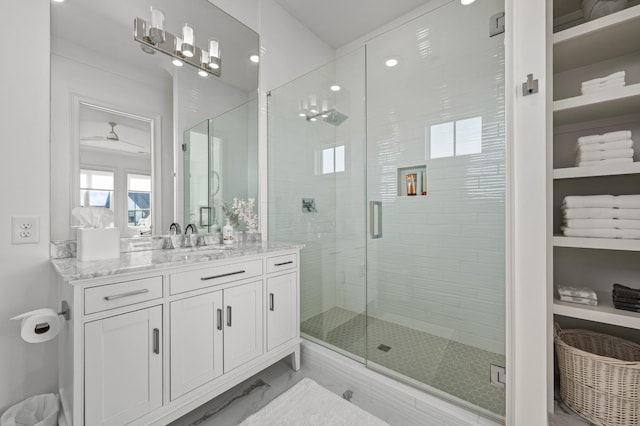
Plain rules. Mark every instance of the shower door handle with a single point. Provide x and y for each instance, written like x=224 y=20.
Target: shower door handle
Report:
x=375 y=219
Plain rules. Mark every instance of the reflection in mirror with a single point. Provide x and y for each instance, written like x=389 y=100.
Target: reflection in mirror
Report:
x=220 y=164
x=104 y=84
x=115 y=166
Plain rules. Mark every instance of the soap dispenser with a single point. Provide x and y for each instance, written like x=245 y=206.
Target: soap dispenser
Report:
x=227 y=233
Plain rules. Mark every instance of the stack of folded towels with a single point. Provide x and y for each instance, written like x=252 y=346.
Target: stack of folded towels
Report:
x=584 y=296
x=601 y=216
x=626 y=298
x=600 y=150
x=604 y=83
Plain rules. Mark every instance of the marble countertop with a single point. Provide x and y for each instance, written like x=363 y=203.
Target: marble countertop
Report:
x=71 y=269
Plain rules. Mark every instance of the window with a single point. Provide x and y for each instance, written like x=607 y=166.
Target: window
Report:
x=333 y=160
x=455 y=138
x=96 y=188
x=139 y=201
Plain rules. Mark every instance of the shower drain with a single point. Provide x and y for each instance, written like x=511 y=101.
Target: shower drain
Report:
x=384 y=348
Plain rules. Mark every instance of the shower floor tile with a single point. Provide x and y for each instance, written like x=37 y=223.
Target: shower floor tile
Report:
x=455 y=368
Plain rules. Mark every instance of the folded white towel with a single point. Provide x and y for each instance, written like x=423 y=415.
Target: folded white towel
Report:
x=604 y=162
x=572 y=201
x=603 y=88
x=602 y=233
x=610 y=82
x=601 y=213
x=606 y=137
x=584 y=292
x=627 y=201
x=580 y=300
x=605 y=146
x=603 y=223
x=615 y=75
x=604 y=155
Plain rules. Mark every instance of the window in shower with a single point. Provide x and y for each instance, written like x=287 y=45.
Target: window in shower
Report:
x=333 y=160
x=450 y=139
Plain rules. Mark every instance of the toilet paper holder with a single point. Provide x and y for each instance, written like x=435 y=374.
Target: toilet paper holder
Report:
x=65 y=311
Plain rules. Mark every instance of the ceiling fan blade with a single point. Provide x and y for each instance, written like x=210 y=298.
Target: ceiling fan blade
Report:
x=131 y=143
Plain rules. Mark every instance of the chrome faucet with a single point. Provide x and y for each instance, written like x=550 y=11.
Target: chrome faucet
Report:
x=174 y=228
x=192 y=227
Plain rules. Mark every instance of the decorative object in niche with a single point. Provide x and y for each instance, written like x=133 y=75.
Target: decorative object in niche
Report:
x=594 y=9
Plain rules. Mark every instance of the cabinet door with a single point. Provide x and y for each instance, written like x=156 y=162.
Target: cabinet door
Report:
x=196 y=342
x=243 y=324
x=123 y=367
x=282 y=300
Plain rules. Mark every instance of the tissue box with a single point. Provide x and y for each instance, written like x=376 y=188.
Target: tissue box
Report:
x=98 y=243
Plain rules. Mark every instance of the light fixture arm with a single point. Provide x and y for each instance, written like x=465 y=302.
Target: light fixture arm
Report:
x=168 y=47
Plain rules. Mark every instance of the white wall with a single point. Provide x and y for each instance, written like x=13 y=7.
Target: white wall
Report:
x=25 y=369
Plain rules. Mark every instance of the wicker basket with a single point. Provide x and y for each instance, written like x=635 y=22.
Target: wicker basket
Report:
x=599 y=376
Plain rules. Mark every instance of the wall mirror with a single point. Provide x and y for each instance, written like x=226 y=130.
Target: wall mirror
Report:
x=133 y=131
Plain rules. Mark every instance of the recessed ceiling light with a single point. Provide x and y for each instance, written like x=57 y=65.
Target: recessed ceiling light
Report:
x=466 y=2
x=57 y=1
x=202 y=73
x=335 y=88
x=177 y=62
x=391 y=62
x=254 y=58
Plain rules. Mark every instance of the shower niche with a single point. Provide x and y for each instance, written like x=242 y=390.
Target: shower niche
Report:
x=412 y=181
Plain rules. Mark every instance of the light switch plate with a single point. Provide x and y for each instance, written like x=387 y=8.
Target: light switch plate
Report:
x=25 y=229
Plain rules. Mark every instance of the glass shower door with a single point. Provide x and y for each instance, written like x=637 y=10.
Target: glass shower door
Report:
x=436 y=192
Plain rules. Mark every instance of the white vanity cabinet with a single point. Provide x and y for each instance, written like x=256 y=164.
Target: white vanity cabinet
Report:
x=147 y=347
x=123 y=367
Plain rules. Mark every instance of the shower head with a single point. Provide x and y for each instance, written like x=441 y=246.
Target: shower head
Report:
x=332 y=117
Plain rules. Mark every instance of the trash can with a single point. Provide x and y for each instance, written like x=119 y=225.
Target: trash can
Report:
x=39 y=410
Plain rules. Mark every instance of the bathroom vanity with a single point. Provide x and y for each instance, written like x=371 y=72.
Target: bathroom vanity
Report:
x=156 y=333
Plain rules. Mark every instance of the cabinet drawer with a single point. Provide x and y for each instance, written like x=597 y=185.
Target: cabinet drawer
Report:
x=281 y=263
x=97 y=299
x=201 y=278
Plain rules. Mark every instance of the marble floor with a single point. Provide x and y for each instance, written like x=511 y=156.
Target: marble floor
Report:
x=452 y=367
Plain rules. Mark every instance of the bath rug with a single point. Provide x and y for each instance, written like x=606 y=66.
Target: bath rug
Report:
x=309 y=404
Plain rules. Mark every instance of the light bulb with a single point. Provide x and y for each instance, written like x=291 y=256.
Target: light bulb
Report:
x=391 y=62
x=177 y=62
x=335 y=88
x=214 y=49
x=204 y=58
x=202 y=73
x=466 y=2
x=254 y=58
x=187 y=44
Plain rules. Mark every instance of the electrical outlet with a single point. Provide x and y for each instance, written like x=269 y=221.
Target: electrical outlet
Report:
x=25 y=229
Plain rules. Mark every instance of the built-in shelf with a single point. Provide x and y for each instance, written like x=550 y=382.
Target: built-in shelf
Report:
x=594 y=171
x=608 y=103
x=598 y=40
x=412 y=178
x=604 y=312
x=596 y=243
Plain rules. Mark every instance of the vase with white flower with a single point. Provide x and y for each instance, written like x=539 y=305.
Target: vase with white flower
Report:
x=242 y=211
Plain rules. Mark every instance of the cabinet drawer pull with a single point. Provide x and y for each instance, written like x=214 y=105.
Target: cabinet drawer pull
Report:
x=213 y=277
x=271 y=305
x=127 y=294
x=228 y=316
x=219 y=319
x=156 y=341
x=283 y=263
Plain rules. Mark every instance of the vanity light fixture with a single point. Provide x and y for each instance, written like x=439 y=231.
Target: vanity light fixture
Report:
x=182 y=49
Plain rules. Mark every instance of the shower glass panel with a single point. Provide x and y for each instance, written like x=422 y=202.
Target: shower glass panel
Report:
x=435 y=164
x=317 y=197
x=395 y=184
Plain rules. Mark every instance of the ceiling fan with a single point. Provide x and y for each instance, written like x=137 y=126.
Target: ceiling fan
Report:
x=112 y=136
